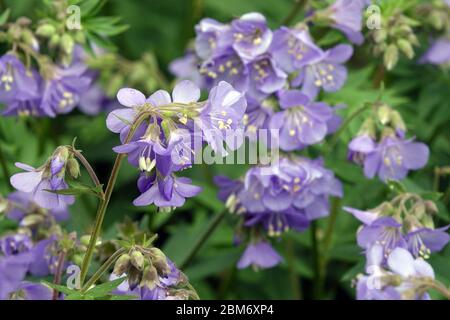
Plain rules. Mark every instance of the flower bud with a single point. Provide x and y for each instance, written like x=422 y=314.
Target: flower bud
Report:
x=149 y=277
x=3 y=204
x=431 y=207
x=384 y=114
x=406 y=48
x=54 y=40
x=46 y=30
x=67 y=43
x=32 y=220
x=122 y=264
x=159 y=260
x=379 y=36
x=397 y=121
x=74 y=168
x=391 y=57
x=137 y=259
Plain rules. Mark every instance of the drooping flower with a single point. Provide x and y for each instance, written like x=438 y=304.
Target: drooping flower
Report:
x=292 y=49
x=327 y=72
x=165 y=192
x=392 y=158
x=423 y=241
x=259 y=255
x=251 y=36
x=347 y=16
x=40 y=181
x=302 y=122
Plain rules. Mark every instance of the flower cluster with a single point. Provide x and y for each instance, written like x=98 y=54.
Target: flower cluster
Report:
x=162 y=133
x=282 y=68
x=31 y=250
x=151 y=276
x=404 y=223
x=382 y=149
x=273 y=199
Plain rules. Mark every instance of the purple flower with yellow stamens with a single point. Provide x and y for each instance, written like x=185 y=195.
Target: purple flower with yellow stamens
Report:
x=265 y=77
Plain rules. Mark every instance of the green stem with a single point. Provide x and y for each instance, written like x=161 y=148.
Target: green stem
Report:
x=88 y=168
x=202 y=239
x=4 y=166
x=344 y=126
x=316 y=261
x=439 y=287
x=298 y=5
x=293 y=275
x=104 y=203
x=105 y=266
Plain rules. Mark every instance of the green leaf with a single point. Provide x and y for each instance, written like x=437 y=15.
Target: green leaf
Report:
x=396 y=186
x=60 y=288
x=103 y=289
x=4 y=16
x=120 y=297
x=77 y=189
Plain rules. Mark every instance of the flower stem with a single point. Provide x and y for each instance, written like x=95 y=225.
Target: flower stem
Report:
x=202 y=239
x=105 y=266
x=4 y=166
x=58 y=273
x=104 y=203
x=293 y=275
x=316 y=261
x=88 y=168
x=439 y=287
x=298 y=5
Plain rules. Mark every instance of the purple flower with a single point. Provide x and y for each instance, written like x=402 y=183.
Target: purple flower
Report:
x=438 y=53
x=378 y=230
x=95 y=101
x=39 y=181
x=227 y=67
x=327 y=72
x=292 y=49
x=391 y=159
x=32 y=291
x=347 y=16
x=265 y=77
x=423 y=241
x=12 y=272
x=62 y=92
x=401 y=266
x=165 y=192
x=22 y=204
x=221 y=117
x=301 y=122
x=257 y=117
x=251 y=36
x=259 y=255
x=211 y=38
x=187 y=68
x=16 y=82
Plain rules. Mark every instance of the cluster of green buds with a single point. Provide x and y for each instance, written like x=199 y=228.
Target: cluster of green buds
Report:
x=385 y=122
x=435 y=13
x=19 y=33
x=395 y=36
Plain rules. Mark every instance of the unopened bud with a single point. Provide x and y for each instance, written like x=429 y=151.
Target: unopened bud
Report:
x=46 y=30
x=384 y=114
x=149 y=277
x=391 y=57
x=379 y=36
x=137 y=259
x=3 y=204
x=74 y=168
x=67 y=43
x=397 y=121
x=431 y=207
x=406 y=48
x=54 y=40
x=31 y=220
x=159 y=260
x=122 y=264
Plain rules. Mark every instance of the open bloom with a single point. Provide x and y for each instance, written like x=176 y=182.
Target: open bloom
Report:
x=62 y=92
x=438 y=53
x=327 y=72
x=251 y=36
x=39 y=182
x=347 y=16
x=165 y=192
x=221 y=118
x=265 y=77
x=392 y=158
x=301 y=122
x=211 y=38
x=259 y=255
x=292 y=49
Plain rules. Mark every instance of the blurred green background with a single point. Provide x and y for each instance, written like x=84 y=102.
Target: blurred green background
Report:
x=421 y=93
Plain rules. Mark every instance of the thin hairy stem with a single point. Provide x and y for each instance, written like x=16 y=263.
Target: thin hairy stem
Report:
x=58 y=272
